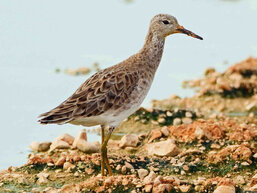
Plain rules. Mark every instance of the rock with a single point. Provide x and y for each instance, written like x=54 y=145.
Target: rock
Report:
x=129 y=140
x=44 y=146
x=187 y=120
x=148 y=187
x=188 y=114
x=177 y=121
x=253 y=188
x=68 y=165
x=184 y=188
x=161 y=120
x=240 y=180
x=88 y=147
x=60 y=161
x=142 y=173
x=59 y=144
x=67 y=138
x=42 y=178
x=163 y=148
x=199 y=133
x=150 y=178
x=161 y=188
x=40 y=147
x=22 y=180
x=155 y=134
x=123 y=169
x=34 y=146
x=165 y=131
x=225 y=189
x=82 y=136
x=128 y=165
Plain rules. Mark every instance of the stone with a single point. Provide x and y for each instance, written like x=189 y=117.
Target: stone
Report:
x=42 y=178
x=128 y=165
x=148 y=188
x=40 y=147
x=34 y=145
x=225 y=189
x=22 y=180
x=177 y=121
x=150 y=178
x=67 y=138
x=60 y=161
x=184 y=188
x=240 y=180
x=88 y=147
x=161 y=188
x=199 y=133
x=123 y=169
x=187 y=120
x=155 y=134
x=253 y=188
x=129 y=140
x=188 y=114
x=59 y=144
x=163 y=148
x=165 y=131
x=68 y=165
x=44 y=146
x=142 y=173
x=82 y=136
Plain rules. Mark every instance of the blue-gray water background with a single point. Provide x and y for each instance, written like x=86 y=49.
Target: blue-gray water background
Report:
x=36 y=37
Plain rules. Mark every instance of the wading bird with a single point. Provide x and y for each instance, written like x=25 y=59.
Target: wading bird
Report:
x=111 y=95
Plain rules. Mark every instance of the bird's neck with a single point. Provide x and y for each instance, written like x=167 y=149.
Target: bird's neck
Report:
x=152 y=49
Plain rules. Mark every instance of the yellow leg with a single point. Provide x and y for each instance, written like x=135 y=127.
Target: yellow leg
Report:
x=102 y=156
x=104 y=151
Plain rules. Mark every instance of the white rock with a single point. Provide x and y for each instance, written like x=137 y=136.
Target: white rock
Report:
x=187 y=120
x=177 y=121
x=189 y=114
x=34 y=146
x=150 y=178
x=129 y=140
x=88 y=147
x=82 y=136
x=68 y=165
x=225 y=189
x=142 y=173
x=163 y=148
x=199 y=133
x=59 y=144
x=165 y=131
x=67 y=138
x=42 y=178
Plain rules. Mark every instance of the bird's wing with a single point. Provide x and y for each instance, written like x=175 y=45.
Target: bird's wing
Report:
x=105 y=90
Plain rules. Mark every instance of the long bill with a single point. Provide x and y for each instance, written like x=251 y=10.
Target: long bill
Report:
x=181 y=29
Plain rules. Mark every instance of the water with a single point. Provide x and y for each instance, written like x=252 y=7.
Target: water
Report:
x=36 y=37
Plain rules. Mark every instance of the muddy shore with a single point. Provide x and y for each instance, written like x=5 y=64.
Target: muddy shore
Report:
x=205 y=143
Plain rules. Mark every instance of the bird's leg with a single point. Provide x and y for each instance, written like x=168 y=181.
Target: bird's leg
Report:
x=102 y=157
x=104 y=150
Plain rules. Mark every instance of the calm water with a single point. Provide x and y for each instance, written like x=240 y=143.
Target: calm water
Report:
x=36 y=37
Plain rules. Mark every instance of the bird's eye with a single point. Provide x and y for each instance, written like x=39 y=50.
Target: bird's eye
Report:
x=165 y=22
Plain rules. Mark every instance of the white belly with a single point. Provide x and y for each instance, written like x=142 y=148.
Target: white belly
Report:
x=115 y=117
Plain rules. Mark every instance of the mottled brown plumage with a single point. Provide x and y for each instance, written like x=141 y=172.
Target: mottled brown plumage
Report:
x=112 y=94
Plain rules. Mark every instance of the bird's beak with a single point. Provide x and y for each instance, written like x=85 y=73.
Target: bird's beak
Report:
x=181 y=29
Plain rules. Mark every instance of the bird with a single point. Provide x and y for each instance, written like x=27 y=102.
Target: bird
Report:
x=111 y=95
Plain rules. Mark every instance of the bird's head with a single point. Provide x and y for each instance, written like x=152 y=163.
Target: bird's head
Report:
x=165 y=25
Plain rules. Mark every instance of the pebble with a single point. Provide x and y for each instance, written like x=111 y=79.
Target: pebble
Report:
x=150 y=178
x=68 y=165
x=142 y=173
x=60 y=161
x=88 y=147
x=155 y=134
x=225 y=189
x=67 y=138
x=240 y=180
x=184 y=188
x=123 y=169
x=177 y=121
x=40 y=147
x=82 y=136
x=42 y=178
x=59 y=144
x=148 y=188
x=187 y=120
x=129 y=140
x=188 y=114
x=165 y=131
x=163 y=148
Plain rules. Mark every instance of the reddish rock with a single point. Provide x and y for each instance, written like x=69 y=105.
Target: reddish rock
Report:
x=155 y=134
